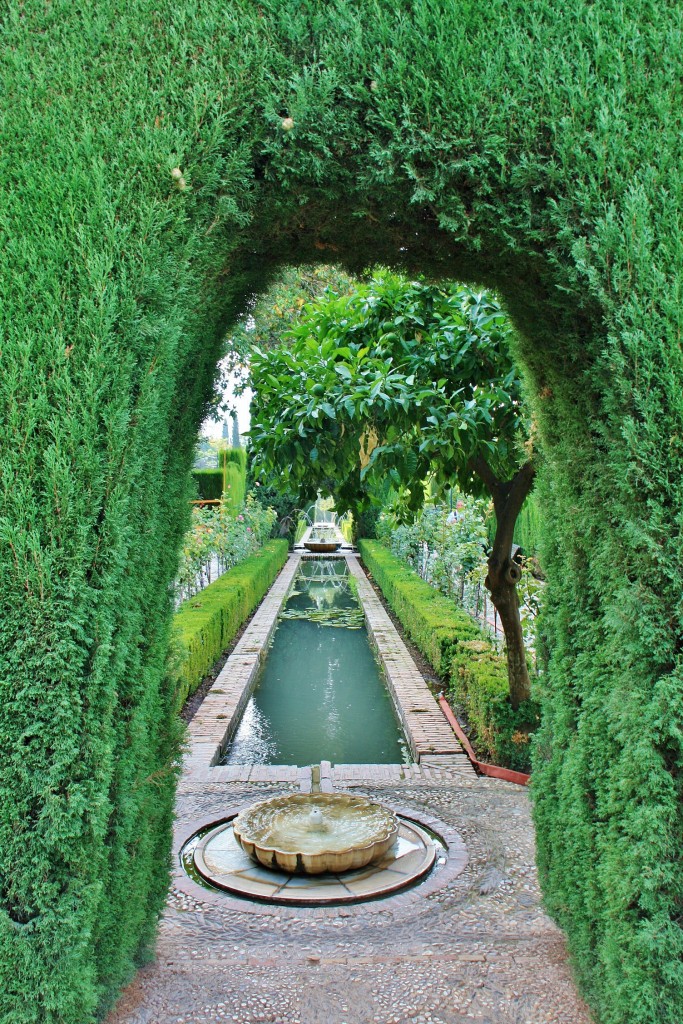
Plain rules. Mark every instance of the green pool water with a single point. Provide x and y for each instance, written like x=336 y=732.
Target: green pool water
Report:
x=321 y=696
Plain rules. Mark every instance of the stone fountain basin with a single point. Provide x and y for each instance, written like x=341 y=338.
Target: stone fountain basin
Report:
x=322 y=547
x=278 y=833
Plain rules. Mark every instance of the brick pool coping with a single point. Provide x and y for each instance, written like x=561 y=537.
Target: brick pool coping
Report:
x=222 y=708
x=432 y=742
x=426 y=729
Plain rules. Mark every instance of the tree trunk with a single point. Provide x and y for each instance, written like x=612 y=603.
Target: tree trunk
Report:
x=504 y=573
x=504 y=597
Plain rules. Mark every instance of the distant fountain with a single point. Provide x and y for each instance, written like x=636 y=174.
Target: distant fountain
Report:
x=322 y=513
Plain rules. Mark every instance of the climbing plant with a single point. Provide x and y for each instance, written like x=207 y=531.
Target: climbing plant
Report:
x=159 y=163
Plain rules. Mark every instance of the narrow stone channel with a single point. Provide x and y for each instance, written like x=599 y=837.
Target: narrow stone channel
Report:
x=216 y=723
x=321 y=695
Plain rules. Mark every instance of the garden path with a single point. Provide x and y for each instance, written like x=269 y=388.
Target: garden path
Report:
x=480 y=948
x=472 y=945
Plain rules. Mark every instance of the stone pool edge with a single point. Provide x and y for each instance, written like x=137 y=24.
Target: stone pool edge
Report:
x=429 y=736
x=427 y=731
x=221 y=710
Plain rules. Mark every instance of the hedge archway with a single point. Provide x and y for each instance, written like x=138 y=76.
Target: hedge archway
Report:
x=530 y=147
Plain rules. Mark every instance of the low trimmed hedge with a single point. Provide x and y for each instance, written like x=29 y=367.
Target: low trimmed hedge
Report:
x=463 y=657
x=205 y=624
x=428 y=617
x=478 y=681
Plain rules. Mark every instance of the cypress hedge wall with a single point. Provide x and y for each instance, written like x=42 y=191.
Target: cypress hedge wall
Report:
x=160 y=161
x=209 y=483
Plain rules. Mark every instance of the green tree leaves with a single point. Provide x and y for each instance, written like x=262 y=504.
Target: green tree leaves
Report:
x=425 y=367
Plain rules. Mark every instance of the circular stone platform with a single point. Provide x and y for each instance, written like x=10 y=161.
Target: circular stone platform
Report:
x=219 y=860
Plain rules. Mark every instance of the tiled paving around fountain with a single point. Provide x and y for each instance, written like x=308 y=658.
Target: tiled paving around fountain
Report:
x=219 y=859
x=469 y=942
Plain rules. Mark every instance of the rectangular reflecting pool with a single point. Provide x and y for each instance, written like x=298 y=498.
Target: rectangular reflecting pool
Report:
x=321 y=695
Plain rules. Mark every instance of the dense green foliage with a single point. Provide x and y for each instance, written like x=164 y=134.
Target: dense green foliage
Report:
x=450 y=554
x=266 y=316
x=209 y=483
x=280 y=307
x=159 y=163
x=397 y=379
x=463 y=657
x=285 y=504
x=457 y=539
x=206 y=624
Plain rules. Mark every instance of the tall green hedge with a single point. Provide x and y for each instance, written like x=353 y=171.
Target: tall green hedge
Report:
x=159 y=162
x=455 y=646
x=235 y=483
x=209 y=483
x=237 y=456
x=207 y=623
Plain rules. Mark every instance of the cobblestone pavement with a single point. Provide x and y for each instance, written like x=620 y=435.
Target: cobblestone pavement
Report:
x=479 y=948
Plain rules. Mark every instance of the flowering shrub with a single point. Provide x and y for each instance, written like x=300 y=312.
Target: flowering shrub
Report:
x=217 y=540
x=442 y=546
x=449 y=552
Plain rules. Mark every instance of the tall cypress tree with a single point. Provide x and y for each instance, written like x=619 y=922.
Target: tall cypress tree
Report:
x=236 y=441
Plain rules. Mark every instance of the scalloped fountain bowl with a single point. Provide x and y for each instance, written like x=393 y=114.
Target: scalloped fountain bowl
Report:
x=310 y=833
x=322 y=547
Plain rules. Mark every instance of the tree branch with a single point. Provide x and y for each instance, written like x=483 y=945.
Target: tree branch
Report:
x=506 y=517
x=480 y=466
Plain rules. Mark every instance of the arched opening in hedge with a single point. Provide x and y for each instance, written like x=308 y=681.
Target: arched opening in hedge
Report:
x=160 y=165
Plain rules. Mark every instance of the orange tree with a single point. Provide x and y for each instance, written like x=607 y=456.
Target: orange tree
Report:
x=407 y=381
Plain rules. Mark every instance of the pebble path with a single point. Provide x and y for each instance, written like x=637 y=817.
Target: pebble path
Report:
x=477 y=949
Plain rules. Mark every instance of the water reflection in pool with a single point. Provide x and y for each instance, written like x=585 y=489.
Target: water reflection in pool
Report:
x=321 y=695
